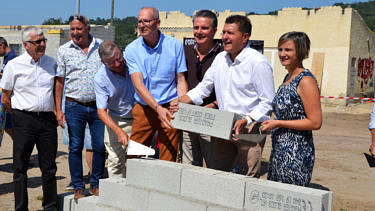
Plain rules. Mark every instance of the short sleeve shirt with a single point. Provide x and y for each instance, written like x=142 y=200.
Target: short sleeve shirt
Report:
x=7 y=57
x=115 y=92
x=158 y=65
x=79 y=69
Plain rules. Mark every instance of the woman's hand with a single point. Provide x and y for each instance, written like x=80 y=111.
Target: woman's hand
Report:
x=269 y=125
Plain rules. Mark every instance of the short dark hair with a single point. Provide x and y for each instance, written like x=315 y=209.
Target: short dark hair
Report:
x=207 y=14
x=243 y=22
x=301 y=41
x=4 y=41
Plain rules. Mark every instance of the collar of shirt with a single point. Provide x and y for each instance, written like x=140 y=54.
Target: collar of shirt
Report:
x=240 y=57
x=215 y=49
x=92 y=43
x=161 y=38
x=30 y=59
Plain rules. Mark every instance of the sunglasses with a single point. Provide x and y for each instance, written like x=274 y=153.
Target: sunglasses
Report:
x=79 y=18
x=38 y=42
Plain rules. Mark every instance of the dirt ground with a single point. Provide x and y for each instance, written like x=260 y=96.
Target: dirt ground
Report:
x=340 y=165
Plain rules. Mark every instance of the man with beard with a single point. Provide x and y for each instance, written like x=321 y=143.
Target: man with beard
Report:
x=77 y=63
x=27 y=86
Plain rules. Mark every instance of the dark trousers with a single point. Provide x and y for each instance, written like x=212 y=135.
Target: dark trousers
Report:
x=29 y=129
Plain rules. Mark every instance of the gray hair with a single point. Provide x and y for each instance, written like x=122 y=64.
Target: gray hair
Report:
x=107 y=50
x=207 y=14
x=154 y=10
x=30 y=30
x=4 y=41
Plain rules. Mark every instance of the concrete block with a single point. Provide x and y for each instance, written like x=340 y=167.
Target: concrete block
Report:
x=88 y=203
x=203 y=120
x=164 y=202
x=154 y=174
x=268 y=195
x=64 y=201
x=217 y=208
x=212 y=186
x=116 y=193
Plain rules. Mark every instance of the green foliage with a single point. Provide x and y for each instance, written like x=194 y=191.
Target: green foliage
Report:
x=125 y=29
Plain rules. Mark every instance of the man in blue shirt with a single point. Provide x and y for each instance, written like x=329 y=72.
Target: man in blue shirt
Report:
x=8 y=54
x=156 y=64
x=114 y=91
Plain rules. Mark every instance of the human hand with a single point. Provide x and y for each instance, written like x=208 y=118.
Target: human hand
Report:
x=269 y=125
x=60 y=117
x=238 y=126
x=165 y=115
x=123 y=138
x=173 y=106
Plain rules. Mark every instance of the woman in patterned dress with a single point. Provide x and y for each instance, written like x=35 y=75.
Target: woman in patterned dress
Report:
x=298 y=111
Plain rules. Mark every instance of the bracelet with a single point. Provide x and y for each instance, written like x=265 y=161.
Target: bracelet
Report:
x=248 y=119
x=156 y=107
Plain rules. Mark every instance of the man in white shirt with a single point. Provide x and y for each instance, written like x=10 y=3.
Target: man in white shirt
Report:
x=243 y=82
x=27 y=85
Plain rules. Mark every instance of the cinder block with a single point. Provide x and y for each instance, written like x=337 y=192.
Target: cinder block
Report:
x=154 y=174
x=88 y=203
x=64 y=201
x=164 y=202
x=203 y=120
x=268 y=195
x=217 y=208
x=114 y=192
x=212 y=186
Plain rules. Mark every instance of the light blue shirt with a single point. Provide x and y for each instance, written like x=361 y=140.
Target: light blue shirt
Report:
x=372 y=120
x=115 y=92
x=159 y=66
x=79 y=69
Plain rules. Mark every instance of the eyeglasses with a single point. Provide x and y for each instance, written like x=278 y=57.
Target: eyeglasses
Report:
x=38 y=42
x=146 y=21
x=118 y=59
x=79 y=18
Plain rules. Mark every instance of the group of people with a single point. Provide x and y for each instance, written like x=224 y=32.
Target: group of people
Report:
x=133 y=94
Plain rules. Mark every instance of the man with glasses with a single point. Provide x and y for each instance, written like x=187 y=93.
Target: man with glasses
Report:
x=156 y=64
x=199 y=57
x=77 y=63
x=115 y=92
x=27 y=84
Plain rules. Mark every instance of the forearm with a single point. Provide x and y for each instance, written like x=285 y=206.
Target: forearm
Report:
x=182 y=86
x=108 y=121
x=301 y=124
x=5 y=100
x=373 y=136
x=59 y=88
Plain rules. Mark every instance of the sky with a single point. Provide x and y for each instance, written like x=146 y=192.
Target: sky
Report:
x=34 y=12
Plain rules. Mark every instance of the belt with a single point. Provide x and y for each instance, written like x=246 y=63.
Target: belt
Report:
x=35 y=113
x=91 y=103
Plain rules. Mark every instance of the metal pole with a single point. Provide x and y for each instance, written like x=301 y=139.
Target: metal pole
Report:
x=77 y=6
x=112 y=10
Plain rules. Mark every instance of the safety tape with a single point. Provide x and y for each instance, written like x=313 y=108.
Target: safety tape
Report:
x=349 y=98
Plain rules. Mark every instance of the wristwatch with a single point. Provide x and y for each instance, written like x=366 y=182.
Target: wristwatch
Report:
x=248 y=119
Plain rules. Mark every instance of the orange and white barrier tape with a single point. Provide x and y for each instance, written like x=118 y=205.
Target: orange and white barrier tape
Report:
x=349 y=98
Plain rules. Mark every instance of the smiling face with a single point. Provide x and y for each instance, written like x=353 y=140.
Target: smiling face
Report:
x=35 y=50
x=79 y=33
x=147 y=23
x=288 y=54
x=203 y=31
x=234 y=40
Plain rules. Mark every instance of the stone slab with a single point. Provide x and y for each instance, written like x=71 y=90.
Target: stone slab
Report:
x=116 y=193
x=154 y=174
x=64 y=201
x=212 y=186
x=165 y=202
x=271 y=196
x=203 y=120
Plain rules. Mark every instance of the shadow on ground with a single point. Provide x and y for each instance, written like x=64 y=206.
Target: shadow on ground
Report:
x=32 y=182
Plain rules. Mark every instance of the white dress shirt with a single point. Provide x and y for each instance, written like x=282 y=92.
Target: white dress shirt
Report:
x=372 y=120
x=32 y=83
x=244 y=86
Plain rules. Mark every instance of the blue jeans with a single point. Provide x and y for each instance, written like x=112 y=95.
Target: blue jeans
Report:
x=77 y=116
